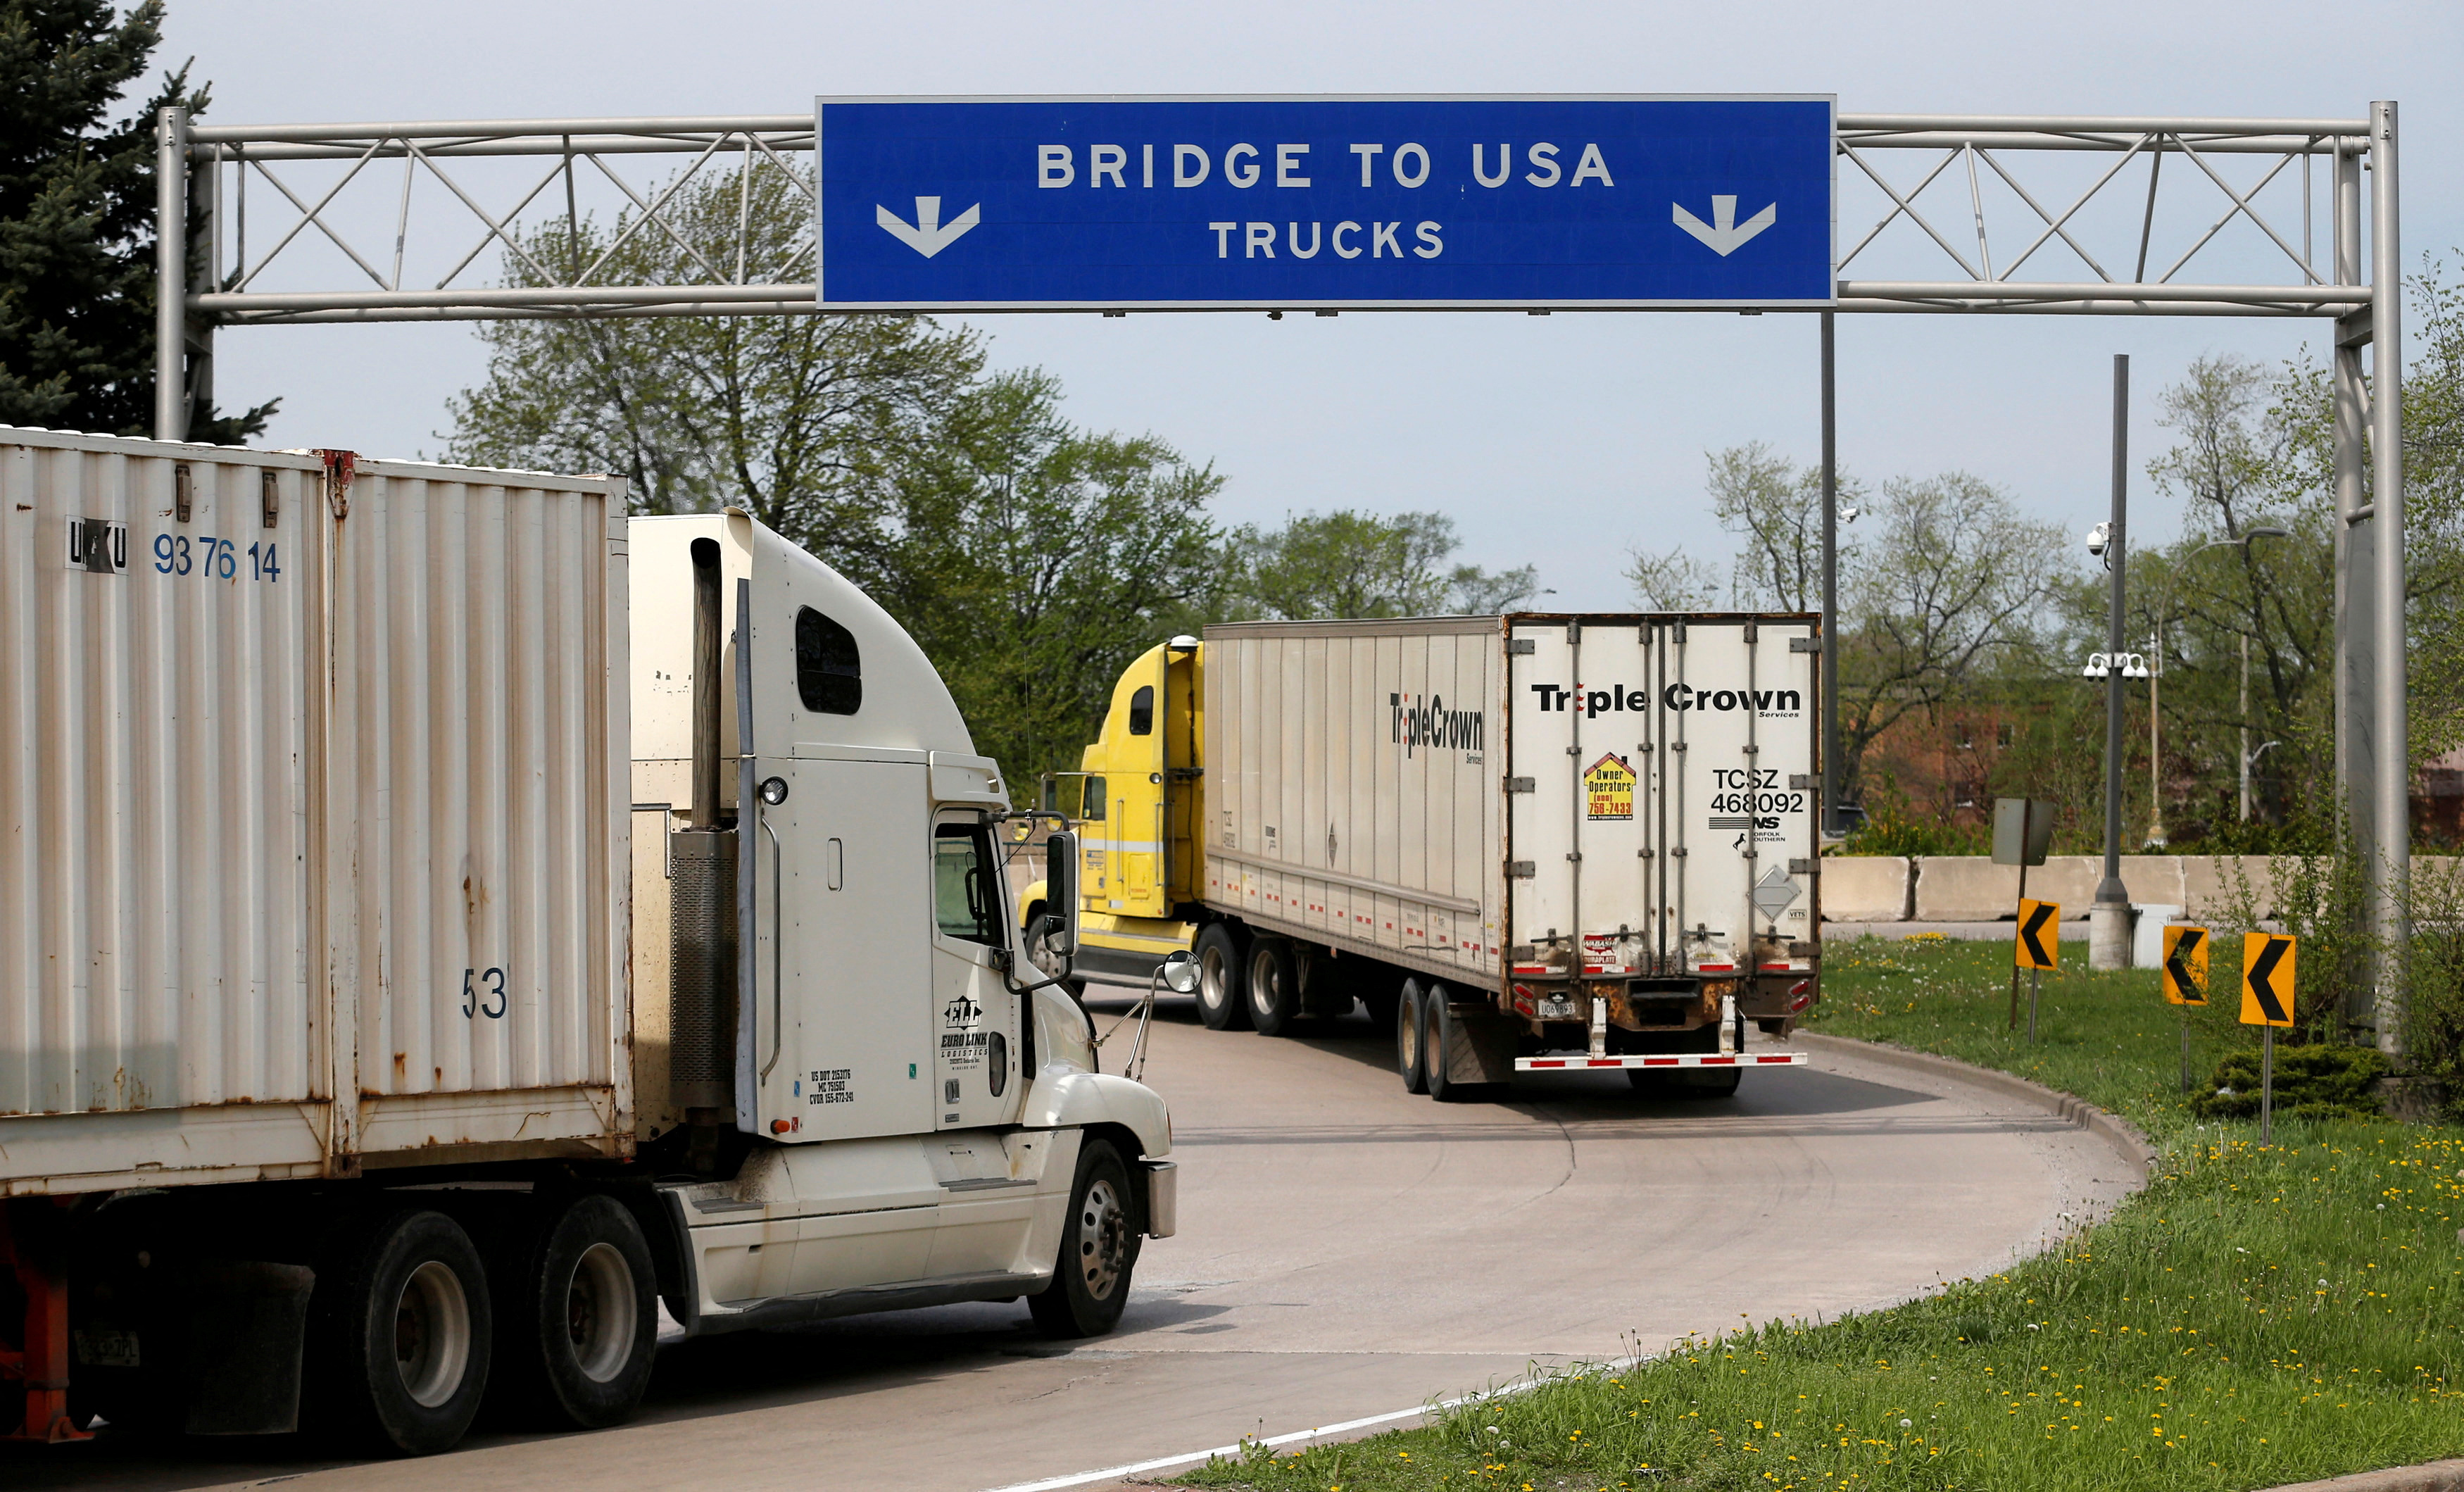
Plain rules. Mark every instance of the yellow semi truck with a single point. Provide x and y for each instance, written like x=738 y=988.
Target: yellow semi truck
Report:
x=1536 y=841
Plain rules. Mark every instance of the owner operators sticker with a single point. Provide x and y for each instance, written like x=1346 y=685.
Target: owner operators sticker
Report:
x=1608 y=789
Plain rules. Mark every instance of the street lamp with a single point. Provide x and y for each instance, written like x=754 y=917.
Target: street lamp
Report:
x=2242 y=541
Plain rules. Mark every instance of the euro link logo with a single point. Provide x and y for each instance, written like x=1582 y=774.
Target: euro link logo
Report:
x=1413 y=725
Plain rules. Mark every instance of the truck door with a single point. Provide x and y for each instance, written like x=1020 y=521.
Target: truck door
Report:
x=842 y=1036
x=1135 y=833
x=977 y=1061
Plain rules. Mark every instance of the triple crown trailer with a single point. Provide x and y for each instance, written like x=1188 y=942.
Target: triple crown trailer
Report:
x=441 y=920
x=1545 y=842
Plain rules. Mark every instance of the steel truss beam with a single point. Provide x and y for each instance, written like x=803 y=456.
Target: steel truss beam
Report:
x=1948 y=185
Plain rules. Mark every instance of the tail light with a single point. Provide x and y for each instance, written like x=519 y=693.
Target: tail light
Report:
x=1524 y=1000
x=1801 y=995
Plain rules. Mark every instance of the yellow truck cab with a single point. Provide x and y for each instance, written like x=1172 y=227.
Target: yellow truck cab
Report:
x=1134 y=802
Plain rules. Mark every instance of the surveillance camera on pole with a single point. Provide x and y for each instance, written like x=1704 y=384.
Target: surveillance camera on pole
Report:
x=2097 y=541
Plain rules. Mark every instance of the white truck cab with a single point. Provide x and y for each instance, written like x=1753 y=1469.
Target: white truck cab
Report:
x=895 y=1108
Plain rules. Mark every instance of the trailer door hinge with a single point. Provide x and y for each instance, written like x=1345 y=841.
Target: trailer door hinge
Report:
x=1521 y=647
x=1802 y=781
x=1574 y=857
x=1522 y=869
x=1520 y=786
x=1805 y=645
x=1751 y=748
x=1805 y=867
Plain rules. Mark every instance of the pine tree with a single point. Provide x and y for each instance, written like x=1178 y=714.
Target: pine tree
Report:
x=77 y=220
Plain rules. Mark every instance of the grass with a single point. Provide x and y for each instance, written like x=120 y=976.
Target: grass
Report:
x=2257 y=1316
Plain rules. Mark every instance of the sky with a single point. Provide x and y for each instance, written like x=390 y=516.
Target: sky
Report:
x=1560 y=441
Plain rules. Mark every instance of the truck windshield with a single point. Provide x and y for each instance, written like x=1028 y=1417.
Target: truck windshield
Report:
x=966 y=904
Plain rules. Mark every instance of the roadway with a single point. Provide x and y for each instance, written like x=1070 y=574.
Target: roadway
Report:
x=1345 y=1250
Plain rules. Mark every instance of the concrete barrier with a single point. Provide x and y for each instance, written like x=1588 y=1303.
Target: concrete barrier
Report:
x=1867 y=889
x=1973 y=889
x=2211 y=886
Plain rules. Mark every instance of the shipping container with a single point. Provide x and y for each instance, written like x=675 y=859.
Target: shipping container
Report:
x=1548 y=840
x=315 y=785
x=340 y=824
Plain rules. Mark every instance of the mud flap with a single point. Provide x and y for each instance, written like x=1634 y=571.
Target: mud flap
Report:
x=1480 y=1045
x=247 y=1324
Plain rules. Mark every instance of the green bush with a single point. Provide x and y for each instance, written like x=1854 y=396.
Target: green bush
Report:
x=2321 y=1082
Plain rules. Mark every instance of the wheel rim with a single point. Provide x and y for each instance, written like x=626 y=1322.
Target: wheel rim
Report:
x=599 y=1313
x=1103 y=1239
x=431 y=1334
x=1407 y=1035
x=1267 y=986
x=1210 y=980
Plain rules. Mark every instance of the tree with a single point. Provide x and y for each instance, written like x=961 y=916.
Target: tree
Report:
x=1672 y=581
x=1775 y=509
x=1348 y=563
x=793 y=418
x=1949 y=586
x=77 y=220
x=1032 y=561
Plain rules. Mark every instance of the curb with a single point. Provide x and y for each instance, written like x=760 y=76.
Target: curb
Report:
x=2122 y=1136
x=2441 y=1476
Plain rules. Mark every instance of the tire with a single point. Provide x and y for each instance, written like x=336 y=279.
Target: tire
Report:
x=1438 y=1028
x=1222 y=980
x=1711 y=1084
x=1411 y=1039
x=1099 y=1249
x=403 y=1335
x=1275 y=986
x=580 y=1316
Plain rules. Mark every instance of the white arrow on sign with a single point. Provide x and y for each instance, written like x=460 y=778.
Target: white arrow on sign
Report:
x=931 y=235
x=1723 y=236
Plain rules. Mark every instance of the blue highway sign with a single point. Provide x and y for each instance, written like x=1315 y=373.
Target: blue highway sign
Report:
x=1160 y=204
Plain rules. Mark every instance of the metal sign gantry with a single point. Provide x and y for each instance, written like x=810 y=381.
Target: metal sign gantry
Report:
x=1980 y=197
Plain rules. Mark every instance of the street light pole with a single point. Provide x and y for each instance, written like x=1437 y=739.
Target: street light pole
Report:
x=2245 y=727
x=1833 y=783
x=2108 y=916
x=2155 y=744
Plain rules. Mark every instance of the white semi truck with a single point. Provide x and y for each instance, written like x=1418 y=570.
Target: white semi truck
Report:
x=1544 y=842
x=441 y=920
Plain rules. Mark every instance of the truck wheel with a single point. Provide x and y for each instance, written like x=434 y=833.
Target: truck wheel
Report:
x=581 y=1317
x=1222 y=985
x=1438 y=1029
x=1711 y=1084
x=1411 y=1039
x=405 y=1335
x=1275 y=986
x=1099 y=1248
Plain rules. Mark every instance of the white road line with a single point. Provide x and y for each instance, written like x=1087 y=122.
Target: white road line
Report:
x=1299 y=1437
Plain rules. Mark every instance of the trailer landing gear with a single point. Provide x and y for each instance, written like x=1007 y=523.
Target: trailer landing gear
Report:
x=31 y=1245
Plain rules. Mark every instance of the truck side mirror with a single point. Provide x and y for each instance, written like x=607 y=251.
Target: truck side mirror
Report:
x=1061 y=893
x=1180 y=973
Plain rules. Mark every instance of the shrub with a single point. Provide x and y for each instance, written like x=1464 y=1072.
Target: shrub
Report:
x=2320 y=1082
